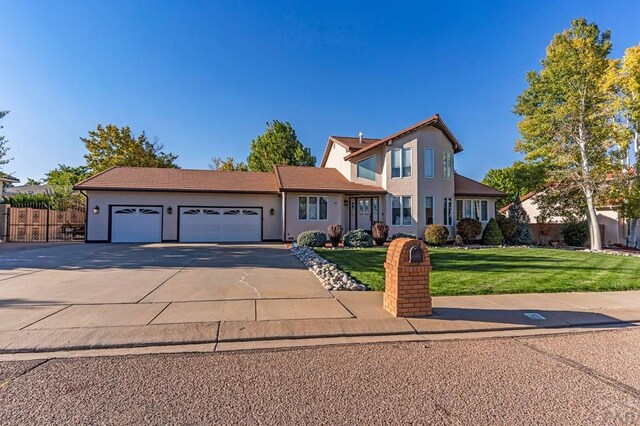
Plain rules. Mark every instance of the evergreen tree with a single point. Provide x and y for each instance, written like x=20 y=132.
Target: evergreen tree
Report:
x=492 y=236
x=523 y=230
x=278 y=146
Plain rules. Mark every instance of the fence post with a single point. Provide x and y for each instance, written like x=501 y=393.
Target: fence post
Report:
x=4 y=222
x=46 y=228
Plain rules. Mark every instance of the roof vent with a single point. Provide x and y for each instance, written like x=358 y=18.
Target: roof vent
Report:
x=360 y=135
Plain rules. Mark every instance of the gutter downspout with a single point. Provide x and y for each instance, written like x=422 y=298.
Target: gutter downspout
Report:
x=284 y=217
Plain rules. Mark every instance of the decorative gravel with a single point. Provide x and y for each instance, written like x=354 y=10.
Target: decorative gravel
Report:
x=331 y=277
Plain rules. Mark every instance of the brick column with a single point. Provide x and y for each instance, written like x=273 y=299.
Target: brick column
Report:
x=407 y=269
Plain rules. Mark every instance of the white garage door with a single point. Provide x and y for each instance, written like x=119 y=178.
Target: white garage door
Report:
x=131 y=224
x=215 y=224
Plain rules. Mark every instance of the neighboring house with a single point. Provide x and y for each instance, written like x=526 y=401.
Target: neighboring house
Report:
x=613 y=226
x=406 y=180
x=6 y=180
x=28 y=189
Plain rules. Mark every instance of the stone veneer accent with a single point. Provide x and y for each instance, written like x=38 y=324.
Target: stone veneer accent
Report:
x=406 y=291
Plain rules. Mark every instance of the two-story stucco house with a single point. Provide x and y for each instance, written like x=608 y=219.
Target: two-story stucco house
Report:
x=406 y=180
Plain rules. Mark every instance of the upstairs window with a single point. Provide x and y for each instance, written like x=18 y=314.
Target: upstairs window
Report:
x=401 y=163
x=367 y=168
x=447 y=165
x=428 y=163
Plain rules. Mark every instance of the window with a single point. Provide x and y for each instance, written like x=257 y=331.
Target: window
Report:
x=428 y=163
x=476 y=209
x=448 y=217
x=428 y=210
x=447 y=165
x=401 y=211
x=401 y=163
x=312 y=207
x=366 y=169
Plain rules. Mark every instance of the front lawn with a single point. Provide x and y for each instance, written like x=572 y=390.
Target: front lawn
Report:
x=495 y=271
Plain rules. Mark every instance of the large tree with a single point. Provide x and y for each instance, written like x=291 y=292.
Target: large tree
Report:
x=218 y=163
x=516 y=180
x=567 y=115
x=626 y=191
x=278 y=145
x=66 y=176
x=111 y=145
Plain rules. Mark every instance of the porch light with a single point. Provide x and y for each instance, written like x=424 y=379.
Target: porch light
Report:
x=96 y=210
x=169 y=210
x=272 y=211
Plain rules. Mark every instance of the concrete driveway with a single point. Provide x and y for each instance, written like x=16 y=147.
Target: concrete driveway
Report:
x=99 y=285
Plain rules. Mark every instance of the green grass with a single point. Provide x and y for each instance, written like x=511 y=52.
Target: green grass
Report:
x=499 y=271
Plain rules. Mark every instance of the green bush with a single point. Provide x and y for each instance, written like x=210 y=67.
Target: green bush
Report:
x=469 y=229
x=508 y=228
x=312 y=239
x=380 y=233
x=403 y=235
x=492 y=236
x=335 y=234
x=357 y=238
x=436 y=235
x=575 y=234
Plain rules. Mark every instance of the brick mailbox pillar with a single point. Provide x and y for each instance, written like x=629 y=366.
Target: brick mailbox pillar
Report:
x=407 y=269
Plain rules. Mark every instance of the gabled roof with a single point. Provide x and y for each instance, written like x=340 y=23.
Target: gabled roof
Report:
x=350 y=143
x=180 y=180
x=434 y=121
x=523 y=198
x=8 y=178
x=465 y=186
x=319 y=179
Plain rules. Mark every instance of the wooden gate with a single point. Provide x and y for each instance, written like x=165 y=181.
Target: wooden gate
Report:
x=35 y=225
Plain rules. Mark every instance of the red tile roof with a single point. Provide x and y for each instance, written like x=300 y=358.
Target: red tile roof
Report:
x=348 y=142
x=180 y=180
x=434 y=121
x=319 y=179
x=465 y=186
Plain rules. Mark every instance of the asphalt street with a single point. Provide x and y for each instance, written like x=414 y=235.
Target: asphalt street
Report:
x=587 y=378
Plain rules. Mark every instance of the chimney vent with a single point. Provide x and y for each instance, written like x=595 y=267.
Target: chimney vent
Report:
x=360 y=136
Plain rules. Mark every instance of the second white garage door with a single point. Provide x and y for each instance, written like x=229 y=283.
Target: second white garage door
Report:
x=220 y=224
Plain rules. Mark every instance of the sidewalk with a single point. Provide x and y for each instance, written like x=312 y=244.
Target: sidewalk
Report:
x=453 y=316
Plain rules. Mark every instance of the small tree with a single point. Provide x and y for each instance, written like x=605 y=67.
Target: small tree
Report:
x=380 y=232
x=111 y=145
x=4 y=148
x=508 y=228
x=492 y=236
x=334 y=232
x=522 y=234
x=278 y=146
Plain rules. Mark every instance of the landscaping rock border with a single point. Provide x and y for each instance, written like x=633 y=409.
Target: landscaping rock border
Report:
x=331 y=277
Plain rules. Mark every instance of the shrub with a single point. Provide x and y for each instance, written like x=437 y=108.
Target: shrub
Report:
x=436 y=235
x=403 y=235
x=380 y=233
x=575 y=233
x=508 y=228
x=357 y=238
x=469 y=229
x=335 y=234
x=312 y=239
x=492 y=236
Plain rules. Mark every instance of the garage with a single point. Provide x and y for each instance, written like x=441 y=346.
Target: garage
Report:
x=136 y=224
x=220 y=224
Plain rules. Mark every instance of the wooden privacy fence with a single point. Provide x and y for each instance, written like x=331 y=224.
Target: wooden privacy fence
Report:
x=40 y=225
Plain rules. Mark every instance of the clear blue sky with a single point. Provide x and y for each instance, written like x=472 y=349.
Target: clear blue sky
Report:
x=204 y=76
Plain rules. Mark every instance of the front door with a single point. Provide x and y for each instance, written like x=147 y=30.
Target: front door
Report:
x=363 y=212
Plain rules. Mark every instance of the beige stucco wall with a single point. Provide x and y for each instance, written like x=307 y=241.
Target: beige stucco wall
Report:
x=98 y=224
x=336 y=214
x=335 y=159
x=417 y=186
